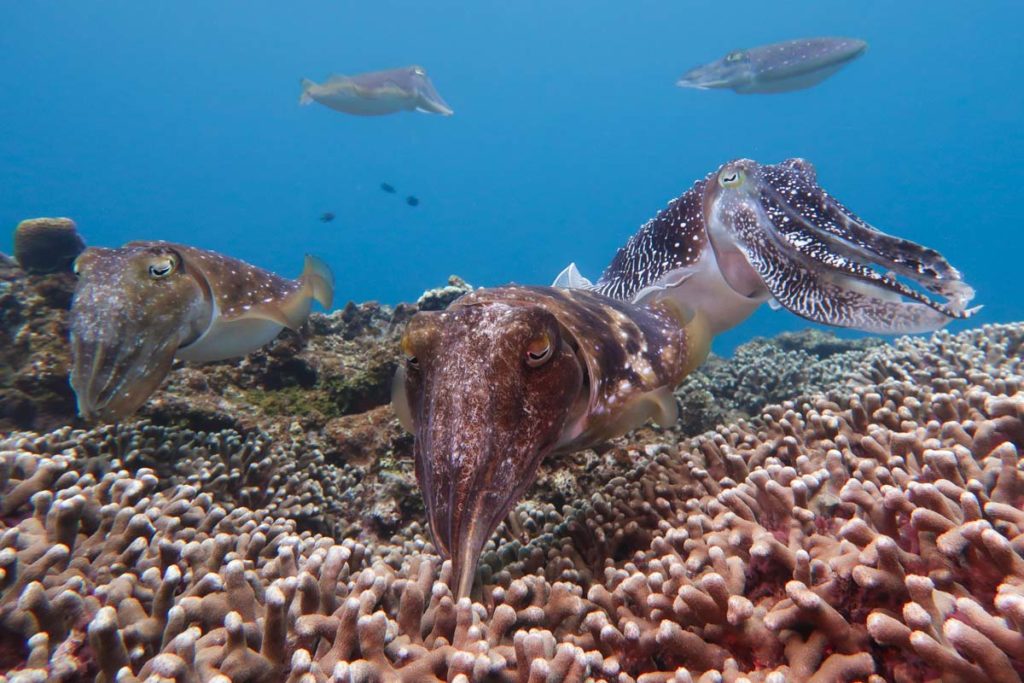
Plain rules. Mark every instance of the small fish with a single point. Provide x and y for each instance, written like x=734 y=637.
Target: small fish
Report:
x=326 y=217
x=390 y=189
x=412 y=201
x=377 y=93
x=506 y=376
x=138 y=307
x=780 y=67
x=749 y=234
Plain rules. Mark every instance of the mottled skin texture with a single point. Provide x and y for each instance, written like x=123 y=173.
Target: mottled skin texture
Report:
x=749 y=233
x=506 y=376
x=138 y=307
x=378 y=93
x=775 y=68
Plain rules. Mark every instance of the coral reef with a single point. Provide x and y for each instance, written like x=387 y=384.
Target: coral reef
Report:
x=762 y=371
x=873 y=531
x=47 y=245
x=438 y=299
x=34 y=356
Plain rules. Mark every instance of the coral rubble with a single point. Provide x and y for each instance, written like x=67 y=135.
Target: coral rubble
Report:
x=873 y=531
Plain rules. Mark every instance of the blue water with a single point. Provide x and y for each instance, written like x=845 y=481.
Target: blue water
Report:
x=180 y=121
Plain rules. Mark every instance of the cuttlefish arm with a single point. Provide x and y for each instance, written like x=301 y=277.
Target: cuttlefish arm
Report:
x=748 y=233
x=506 y=376
x=138 y=307
x=817 y=258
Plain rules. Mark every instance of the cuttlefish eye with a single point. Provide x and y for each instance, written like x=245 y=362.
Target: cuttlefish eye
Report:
x=75 y=268
x=539 y=350
x=731 y=178
x=163 y=267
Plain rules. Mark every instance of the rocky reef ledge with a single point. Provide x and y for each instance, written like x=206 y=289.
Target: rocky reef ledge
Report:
x=828 y=511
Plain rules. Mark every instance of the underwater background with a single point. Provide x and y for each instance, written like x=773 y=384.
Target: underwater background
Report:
x=180 y=121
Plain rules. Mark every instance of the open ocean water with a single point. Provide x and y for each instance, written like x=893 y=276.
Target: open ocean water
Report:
x=180 y=121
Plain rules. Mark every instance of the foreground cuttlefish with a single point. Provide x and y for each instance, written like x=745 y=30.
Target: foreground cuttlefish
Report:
x=748 y=234
x=506 y=376
x=775 y=68
x=139 y=307
x=377 y=93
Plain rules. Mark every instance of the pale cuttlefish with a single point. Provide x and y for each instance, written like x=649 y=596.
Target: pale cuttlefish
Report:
x=506 y=376
x=138 y=307
x=775 y=68
x=377 y=93
x=749 y=234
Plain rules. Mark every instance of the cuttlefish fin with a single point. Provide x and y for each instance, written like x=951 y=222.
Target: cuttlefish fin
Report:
x=400 y=400
x=696 y=330
x=571 y=278
x=316 y=284
x=305 y=98
x=658 y=405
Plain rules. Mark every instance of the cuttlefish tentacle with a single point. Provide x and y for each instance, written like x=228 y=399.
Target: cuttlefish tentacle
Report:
x=506 y=376
x=748 y=234
x=791 y=191
x=790 y=233
x=137 y=308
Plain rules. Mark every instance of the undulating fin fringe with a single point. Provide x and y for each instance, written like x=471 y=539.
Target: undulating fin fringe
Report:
x=317 y=275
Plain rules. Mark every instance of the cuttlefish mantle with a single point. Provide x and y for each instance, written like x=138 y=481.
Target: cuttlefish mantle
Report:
x=506 y=376
x=377 y=93
x=138 y=307
x=748 y=233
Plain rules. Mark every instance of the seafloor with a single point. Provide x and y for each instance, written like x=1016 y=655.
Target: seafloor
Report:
x=825 y=511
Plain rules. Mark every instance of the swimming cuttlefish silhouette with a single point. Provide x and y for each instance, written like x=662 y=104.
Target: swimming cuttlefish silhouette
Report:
x=138 y=307
x=506 y=376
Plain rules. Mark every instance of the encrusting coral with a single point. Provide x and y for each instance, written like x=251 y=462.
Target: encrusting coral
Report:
x=873 y=532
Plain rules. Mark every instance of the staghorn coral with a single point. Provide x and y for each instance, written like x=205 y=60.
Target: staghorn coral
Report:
x=871 y=533
x=762 y=371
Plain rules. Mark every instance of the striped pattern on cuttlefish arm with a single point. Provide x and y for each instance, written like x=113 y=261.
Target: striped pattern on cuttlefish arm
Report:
x=748 y=234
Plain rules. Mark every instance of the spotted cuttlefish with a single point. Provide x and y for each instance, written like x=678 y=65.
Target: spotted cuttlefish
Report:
x=750 y=233
x=139 y=307
x=506 y=376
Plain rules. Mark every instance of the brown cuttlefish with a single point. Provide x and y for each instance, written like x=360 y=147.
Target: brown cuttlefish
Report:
x=138 y=307
x=506 y=376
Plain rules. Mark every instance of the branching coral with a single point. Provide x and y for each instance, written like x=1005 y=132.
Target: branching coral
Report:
x=872 y=533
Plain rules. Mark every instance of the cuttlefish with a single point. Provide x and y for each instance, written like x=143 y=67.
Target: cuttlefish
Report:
x=377 y=93
x=139 y=307
x=750 y=233
x=506 y=376
x=775 y=68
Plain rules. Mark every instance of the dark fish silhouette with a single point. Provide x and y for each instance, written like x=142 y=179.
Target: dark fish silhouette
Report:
x=387 y=187
x=412 y=201
x=326 y=217
x=775 y=68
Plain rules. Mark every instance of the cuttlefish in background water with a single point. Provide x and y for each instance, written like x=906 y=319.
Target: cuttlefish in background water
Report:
x=139 y=307
x=377 y=93
x=780 y=67
x=748 y=234
x=506 y=376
